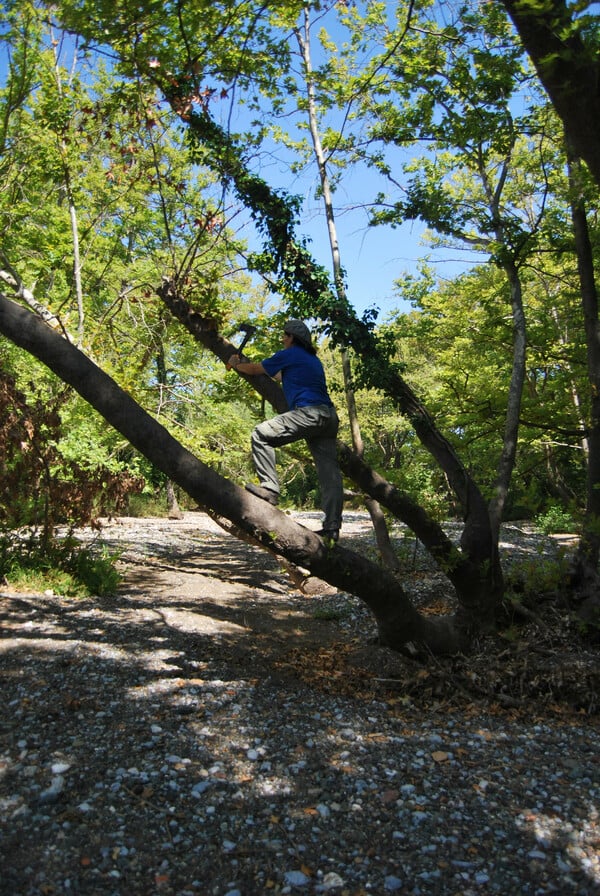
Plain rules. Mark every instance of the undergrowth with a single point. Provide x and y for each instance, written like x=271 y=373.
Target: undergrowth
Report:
x=537 y=575
x=556 y=519
x=30 y=563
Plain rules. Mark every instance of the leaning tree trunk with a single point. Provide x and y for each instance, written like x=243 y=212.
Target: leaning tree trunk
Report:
x=474 y=571
x=568 y=68
x=304 y=279
x=397 y=619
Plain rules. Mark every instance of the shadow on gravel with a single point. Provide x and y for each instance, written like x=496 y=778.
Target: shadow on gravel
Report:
x=208 y=731
x=143 y=756
x=213 y=601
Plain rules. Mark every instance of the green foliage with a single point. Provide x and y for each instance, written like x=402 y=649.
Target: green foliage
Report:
x=556 y=519
x=537 y=576
x=147 y=505
x=40 y=487
x=62 y=566
x=95 y=572
x=142 y=210
x=436 y=92
x=300 y=487
x=457 y=351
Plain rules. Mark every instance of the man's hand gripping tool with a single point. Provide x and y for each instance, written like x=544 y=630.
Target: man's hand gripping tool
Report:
x=249 y=330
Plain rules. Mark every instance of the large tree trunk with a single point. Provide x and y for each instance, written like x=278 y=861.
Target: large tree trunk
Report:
x=586 y=569
x=567 y=67
x=398 y=621
x=477 y=586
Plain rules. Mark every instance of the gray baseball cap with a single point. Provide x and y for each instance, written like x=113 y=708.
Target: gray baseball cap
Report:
x=300 y=331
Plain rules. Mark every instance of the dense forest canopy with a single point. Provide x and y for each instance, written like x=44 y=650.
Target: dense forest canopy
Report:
x=146 y=214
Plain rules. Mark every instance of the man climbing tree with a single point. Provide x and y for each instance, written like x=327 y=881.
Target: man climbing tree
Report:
x=311 y=416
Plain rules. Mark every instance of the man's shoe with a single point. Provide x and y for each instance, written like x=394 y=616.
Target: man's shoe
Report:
x=328 y=534
x=267 y=494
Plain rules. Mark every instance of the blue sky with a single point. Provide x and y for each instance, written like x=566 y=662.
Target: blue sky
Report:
x=374 y=257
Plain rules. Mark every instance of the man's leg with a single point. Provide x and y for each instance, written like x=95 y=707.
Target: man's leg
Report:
x=324 y=451
x=280 y=430
x=319 y=426
x=263 y=458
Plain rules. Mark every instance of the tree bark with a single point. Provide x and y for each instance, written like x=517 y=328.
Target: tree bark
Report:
x=479 y=589
x=397 y=620
x=173 y=508
x=588 y=554
x=568 y=68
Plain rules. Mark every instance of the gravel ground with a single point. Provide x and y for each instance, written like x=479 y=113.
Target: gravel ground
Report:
x=163 y=742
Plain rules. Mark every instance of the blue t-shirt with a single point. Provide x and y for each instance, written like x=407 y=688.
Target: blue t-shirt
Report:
x=302 y=376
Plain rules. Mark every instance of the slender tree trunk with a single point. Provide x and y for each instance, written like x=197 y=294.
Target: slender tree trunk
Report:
x=575 y=396
x=161 y=376
x=68 y=185
x=173 y=508
x=380 y=527
x=508 y=253
x=76 y=261
x=508 y=454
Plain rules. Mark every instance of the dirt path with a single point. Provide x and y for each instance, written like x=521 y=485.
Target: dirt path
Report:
x=199 y=580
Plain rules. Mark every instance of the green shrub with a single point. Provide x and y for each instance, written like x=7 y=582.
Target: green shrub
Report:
x=63 y=566
x=555 y=519
x=146 y=505
x=536 y=576
x=95 y=571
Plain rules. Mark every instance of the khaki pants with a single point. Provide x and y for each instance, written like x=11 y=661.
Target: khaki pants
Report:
x=317 y=424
